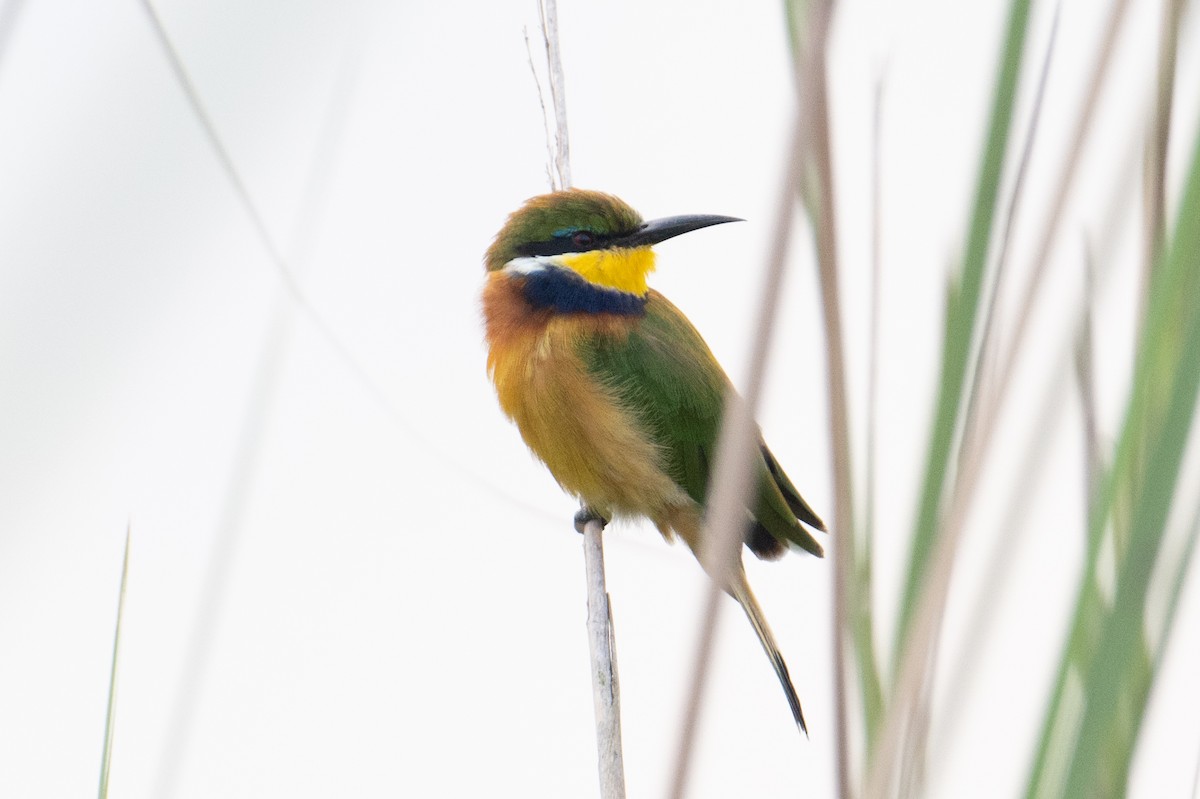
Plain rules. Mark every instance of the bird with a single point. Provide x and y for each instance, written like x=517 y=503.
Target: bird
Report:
x=615 y=391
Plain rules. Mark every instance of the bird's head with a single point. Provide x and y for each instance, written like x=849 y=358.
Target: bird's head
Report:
x=593 y=234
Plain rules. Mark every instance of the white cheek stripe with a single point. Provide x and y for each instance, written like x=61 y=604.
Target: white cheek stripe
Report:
x=528 y=264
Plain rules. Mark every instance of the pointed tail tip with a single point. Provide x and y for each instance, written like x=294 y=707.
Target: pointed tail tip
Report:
x=798 y=714
x=785 y=679
x=745 y=597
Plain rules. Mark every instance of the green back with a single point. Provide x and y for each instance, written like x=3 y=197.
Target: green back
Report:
x=666 y=373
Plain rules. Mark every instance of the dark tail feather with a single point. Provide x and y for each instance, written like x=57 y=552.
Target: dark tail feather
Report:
x=790 y=493
x=763 y=544
x=745 y=597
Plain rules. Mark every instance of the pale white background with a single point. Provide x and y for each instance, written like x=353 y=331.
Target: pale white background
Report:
x=349 y=586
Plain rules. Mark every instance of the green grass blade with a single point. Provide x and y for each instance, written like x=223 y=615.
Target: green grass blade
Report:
x=1147 y=668
x=863 y=631
x=1174 y=331
x=111 y=716
x=1144 y=472
x=962 y=313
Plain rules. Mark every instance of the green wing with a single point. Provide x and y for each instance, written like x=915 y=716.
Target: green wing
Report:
x=666 y=373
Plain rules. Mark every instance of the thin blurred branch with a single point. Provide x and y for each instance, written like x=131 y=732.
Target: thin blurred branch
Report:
x=261 y=399
x=1085 y=378
x=963 y=294
x=222 y=154
x=731 y=479
x=933 y=544
x=1106 y=654
x=862 y=614
x=10 y=11
x=977 y=446
x=986 y=344
x=1155 y=194
x=548 y=14
x=1012 y=528
x=287 y=276
x=110 y=719
x=916 y=738
x=537 y=84
x=1196 y=777
x=815 y=83
x=1083 y=126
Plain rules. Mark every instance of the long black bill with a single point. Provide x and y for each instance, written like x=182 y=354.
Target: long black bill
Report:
x=669 y=227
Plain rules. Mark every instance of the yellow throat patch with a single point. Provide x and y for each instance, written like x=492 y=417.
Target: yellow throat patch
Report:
x=620 y=269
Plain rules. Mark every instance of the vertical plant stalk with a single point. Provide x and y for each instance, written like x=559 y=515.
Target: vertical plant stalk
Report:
x=551 y=174
x=1158 y=415
x=1085 y=378
x=917 y=737
x=1158 y=425
x=931 y=559
x=972 y=459
x=110 y=718
x=1013 y=527
x=561 y=157
x=285 y=272
x=223 y=553
x=605 y=688
x=606 y=693
x=730 y=486
x=862 y=615
x=962 y=310
x=986 y=341
x=9 y=14
x=825 y=228
x=1156 y=145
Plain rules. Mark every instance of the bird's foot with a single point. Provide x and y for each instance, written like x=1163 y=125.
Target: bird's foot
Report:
x=585 y=515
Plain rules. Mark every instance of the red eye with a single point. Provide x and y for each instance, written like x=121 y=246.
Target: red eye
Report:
x=582 y=238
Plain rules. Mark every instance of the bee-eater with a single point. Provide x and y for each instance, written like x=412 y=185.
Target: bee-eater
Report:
x=613 y=388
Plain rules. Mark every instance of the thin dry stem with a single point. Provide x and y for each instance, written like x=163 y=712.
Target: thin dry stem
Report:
x=976 y=448
x=261 y=396
x=537 y=84
x=9 y=14
x=605 y=685
x=1196 y=778
x=1086 y=380
x=291 y=283
x=110 y=720
x=1156 y=145
x=863 y=597
x=731 y=483
x=986 y=342
x=917 y=655
x=1012 y=528
x=606 y=694
x=814 y=80
x=548 y=14
x=916 y=742
x=873 y=333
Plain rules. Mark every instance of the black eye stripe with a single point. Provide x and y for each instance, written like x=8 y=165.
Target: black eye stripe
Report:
x=558 y=246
